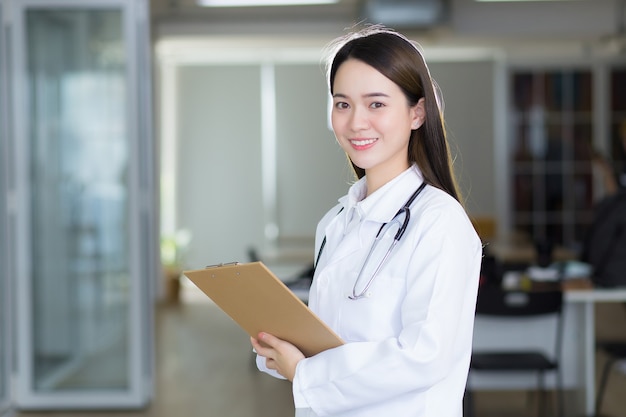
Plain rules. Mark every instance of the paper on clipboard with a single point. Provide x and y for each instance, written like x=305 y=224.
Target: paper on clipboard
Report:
x=259 y=302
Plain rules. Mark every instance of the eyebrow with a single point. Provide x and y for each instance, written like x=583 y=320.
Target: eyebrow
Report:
x=368 y=95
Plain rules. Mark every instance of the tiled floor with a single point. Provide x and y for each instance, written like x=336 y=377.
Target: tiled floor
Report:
x=205 y=369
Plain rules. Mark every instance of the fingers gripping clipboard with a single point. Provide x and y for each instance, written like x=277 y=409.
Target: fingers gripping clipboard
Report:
x=259 y=302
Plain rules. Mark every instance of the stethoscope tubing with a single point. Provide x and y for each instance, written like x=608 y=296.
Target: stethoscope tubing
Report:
x=405 y=223
x=363 y=293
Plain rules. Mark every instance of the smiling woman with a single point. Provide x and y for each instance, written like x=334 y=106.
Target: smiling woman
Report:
x=397 y=259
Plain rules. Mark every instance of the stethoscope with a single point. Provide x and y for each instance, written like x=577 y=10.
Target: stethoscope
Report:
x=379 y=235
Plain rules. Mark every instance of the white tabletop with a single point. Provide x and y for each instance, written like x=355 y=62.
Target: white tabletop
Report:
x=596 y=295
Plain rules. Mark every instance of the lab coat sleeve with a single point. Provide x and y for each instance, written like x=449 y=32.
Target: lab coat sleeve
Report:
x=437 y=324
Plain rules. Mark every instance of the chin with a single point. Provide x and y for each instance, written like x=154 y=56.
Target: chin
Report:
x=364 y=166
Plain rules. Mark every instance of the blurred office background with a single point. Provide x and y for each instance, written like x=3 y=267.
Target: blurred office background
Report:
x=132 y=129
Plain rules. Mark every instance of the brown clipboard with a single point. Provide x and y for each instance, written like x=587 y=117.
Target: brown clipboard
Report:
x=260 y=302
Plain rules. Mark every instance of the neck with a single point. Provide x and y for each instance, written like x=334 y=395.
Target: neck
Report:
x=376 y=179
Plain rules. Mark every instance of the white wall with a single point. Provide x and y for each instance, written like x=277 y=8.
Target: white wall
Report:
x=469 y=94
x=219 y=197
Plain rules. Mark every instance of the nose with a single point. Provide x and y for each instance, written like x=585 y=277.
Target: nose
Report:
x=358 y=119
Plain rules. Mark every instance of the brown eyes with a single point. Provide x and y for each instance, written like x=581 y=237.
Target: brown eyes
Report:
x=341 y=105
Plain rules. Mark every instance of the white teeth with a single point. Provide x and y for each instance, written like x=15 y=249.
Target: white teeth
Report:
x=362 y=142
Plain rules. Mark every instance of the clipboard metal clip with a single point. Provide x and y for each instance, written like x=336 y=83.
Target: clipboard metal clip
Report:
x=222 y=264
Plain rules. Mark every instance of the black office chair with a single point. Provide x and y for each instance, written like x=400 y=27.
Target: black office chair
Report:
x=616 y=350
x=513 y=305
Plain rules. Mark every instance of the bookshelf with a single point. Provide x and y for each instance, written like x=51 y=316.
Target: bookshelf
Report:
x=551 y=147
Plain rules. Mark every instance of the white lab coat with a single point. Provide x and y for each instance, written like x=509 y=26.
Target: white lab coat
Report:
x=408 y=343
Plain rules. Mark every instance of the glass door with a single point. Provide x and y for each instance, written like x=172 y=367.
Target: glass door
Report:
x=85 y=238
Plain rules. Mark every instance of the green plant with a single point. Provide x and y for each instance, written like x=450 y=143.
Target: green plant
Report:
x=174 y=248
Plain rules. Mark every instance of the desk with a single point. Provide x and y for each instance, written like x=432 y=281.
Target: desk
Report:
x=578 y=356
x=523 y=252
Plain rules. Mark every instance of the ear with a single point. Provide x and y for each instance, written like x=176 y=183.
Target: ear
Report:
x=418 y=114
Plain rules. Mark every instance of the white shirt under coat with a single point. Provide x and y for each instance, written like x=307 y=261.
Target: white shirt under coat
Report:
x=408 y=343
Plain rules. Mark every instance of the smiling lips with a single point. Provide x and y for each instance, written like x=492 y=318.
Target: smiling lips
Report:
x=361 y=144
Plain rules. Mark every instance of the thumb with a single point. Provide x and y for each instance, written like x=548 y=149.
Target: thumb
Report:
x=268 y=339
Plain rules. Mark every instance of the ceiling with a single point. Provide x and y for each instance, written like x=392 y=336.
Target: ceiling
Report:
x=580 y=24
x=189 y=10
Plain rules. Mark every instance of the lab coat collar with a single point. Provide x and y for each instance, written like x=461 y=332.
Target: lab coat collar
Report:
x=352 y=206
x=382 y=205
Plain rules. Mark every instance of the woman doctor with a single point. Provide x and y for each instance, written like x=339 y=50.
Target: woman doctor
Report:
x=404 y=306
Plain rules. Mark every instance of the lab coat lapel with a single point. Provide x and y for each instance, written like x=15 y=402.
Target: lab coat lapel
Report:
x=335 y=234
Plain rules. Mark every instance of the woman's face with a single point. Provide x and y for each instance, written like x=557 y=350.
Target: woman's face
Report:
x=372 y=119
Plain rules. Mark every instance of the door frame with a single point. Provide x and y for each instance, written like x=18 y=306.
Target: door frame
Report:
x=6 y=308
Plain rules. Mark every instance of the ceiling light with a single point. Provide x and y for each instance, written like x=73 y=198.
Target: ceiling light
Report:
x=248 y=3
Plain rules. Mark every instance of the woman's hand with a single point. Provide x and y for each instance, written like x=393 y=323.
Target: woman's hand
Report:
x=279 y=355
